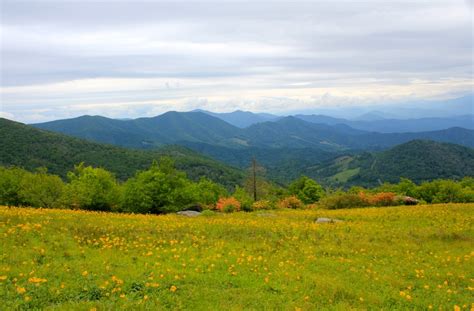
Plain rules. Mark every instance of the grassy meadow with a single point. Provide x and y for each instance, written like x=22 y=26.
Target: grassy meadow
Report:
x=413 y=257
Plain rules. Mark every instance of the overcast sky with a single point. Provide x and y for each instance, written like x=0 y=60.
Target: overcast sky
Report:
x=67 y=58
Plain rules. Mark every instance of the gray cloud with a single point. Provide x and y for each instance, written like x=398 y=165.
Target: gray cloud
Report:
x=145 y=57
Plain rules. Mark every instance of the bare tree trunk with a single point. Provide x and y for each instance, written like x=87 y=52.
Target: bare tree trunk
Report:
x=254 y=172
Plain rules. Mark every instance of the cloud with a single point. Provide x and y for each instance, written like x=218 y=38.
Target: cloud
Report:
x=246 y=55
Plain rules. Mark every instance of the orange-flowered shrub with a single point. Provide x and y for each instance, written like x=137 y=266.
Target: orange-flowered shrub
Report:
x=383 y=199
x=363 y=199
x=228 y=205
x=291 y=202
x=313 y=206
x=262 y=205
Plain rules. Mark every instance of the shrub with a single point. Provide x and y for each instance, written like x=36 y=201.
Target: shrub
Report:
x=313 y=206
x=306 y=189
x=241 y=195
x=228 y=205
x=160 y=189
x=41 y=189
x=291 y=202
x=383 y=199
x=345 y=200
x=262 y=205
x=208 y=192
x=10 y=186
x=91 y=189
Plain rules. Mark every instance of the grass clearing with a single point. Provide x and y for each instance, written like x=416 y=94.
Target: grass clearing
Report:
x=390 y=258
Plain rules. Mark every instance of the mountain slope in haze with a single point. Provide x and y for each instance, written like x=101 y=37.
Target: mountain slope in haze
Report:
x=198 y=127
x=418 y=160
x=395 y=125
x=241 y=118
x=294 y=133
x=168 y=128
x=30 y=148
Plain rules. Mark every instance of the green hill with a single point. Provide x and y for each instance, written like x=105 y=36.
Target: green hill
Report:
x=168 y=128
x=418 y=160
x=29 y=147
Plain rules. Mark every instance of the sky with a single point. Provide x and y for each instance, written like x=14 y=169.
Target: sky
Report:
x=127 y=59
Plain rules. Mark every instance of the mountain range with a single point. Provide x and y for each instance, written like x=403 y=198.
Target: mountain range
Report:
x=419 y=160
x=198 y=127
x=373 y=121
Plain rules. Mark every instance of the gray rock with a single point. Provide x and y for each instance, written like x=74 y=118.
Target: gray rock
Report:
x=189 y=213
x=323 y=220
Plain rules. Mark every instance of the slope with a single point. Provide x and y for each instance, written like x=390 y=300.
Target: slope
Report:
x=418 y=160
x=30 y=148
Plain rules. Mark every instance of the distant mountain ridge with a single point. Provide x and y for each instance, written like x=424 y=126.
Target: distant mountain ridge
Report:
x=396 y=125
x=241 y=118
x=198 y=127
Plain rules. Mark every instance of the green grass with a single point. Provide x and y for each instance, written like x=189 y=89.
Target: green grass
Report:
x=377 y=258
x=344 y=176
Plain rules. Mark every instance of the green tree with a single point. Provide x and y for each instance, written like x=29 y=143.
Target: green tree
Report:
x=91 y=189
x=245 y=199
x=10 y=186
x=209 y=192
x=40 y=189
x=406 y=187
x=160 y=189
x=306 y=189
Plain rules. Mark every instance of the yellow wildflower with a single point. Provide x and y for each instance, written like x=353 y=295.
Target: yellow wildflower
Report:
x=36 y=280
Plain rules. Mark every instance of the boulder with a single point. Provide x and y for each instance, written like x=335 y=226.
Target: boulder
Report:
x=324 y=220
x=189 y=213
x=408 y=200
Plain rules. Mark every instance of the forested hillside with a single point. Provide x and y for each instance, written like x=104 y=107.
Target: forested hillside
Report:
x=418 y=160
x=30 y=148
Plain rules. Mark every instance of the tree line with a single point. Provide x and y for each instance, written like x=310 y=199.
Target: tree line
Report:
x=164 y=189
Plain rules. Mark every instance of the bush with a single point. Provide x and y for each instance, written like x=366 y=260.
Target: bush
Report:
x=306 y=189
x=246 y=201
x=41 y=189
x=91 y=189
x=291 y=202
x=383 y=199
x=160 y=189
x=228 y=205
x=345 y=200
x=262 y=205
x=208 y=192
x=10 y=186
